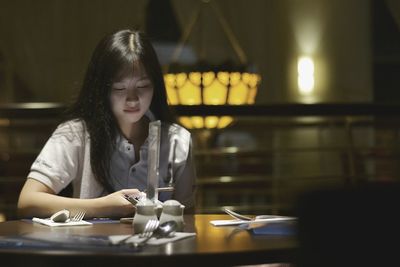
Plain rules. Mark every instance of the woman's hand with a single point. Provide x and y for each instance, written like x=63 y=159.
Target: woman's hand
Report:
x=115 y=204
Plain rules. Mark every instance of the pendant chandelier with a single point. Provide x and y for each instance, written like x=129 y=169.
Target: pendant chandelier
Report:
x=206 y=84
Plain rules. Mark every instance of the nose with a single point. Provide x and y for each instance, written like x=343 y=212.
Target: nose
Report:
x=132 y=99
x=132 y=95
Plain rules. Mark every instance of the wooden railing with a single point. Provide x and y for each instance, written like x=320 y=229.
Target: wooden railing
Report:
x=259 y=164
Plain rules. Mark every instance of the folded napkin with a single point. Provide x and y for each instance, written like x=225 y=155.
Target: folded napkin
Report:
x=50 y=223
x=236 y=222
x=114 y=239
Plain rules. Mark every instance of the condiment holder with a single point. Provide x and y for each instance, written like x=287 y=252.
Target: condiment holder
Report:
x=145 y=211
x=173 y=211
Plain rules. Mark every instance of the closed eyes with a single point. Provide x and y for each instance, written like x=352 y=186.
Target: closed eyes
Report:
x=144 y=86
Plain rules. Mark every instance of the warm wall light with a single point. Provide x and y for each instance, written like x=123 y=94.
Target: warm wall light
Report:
x=210 y=88
x=305 y=78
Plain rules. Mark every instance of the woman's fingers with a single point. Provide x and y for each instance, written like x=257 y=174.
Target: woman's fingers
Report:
x=130 y=191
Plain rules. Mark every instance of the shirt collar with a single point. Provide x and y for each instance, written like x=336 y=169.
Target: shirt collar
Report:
x=150 y=115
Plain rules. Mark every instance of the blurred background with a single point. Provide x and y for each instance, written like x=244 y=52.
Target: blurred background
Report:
x=304 y=93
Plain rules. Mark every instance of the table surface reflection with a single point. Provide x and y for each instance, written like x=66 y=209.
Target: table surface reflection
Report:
x=212 y=246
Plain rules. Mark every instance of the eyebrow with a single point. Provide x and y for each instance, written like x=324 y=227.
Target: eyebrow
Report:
x=144 y=78
x=144 y=81
x=121 y=83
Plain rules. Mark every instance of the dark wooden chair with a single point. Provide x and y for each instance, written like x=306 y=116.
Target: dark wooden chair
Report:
x=350 y=226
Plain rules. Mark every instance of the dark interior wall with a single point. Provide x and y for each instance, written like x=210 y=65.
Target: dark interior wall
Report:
x=386 y=51
x=274 y=33
x=46 y=44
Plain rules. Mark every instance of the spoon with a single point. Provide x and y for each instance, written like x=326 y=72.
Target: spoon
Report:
x=246 y=218
x=163 y=230
x=60 y=216
x=237 y=215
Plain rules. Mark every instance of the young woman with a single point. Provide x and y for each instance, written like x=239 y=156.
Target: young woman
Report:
x=101 y=147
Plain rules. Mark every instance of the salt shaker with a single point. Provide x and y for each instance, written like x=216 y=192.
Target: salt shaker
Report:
x=145 y=211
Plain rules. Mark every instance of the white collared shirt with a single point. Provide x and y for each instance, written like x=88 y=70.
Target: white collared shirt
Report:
x=65 y=158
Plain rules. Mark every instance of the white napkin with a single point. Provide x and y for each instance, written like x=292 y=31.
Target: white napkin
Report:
x=255 y=221
x=50 y=223
x=114 y=239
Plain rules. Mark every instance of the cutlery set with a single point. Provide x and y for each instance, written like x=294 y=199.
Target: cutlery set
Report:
x=152 y=229
x=63 y=216
x=246 y=222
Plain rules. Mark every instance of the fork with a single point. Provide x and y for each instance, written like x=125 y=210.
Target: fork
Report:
x=148 y=230
x=78 y=216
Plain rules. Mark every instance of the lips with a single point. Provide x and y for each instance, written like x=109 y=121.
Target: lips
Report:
x=132 y=109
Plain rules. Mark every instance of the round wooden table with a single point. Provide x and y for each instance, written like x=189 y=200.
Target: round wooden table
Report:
x=212 y=246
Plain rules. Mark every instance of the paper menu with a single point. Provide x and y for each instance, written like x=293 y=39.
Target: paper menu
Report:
x=273 y=219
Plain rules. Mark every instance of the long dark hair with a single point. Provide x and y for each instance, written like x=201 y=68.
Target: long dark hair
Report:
x=112 y=54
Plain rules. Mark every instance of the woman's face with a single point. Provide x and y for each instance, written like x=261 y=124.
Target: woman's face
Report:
x=131 y=95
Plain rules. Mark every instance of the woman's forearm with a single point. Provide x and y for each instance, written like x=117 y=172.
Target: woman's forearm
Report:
x=42 y=204
x=38 y=200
